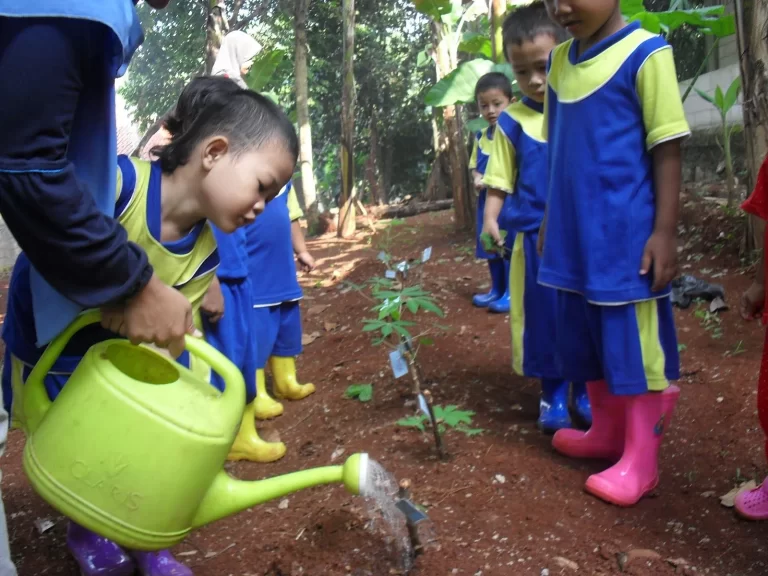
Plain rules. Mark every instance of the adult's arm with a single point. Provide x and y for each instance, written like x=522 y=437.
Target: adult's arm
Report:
x=81 y=252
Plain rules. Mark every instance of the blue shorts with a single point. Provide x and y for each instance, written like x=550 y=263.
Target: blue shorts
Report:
x=233 y=335
x=532 y=313
x=633 y=347
x=480 y=252
x=278 y=331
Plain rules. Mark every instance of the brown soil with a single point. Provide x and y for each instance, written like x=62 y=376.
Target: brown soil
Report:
x=538 y=517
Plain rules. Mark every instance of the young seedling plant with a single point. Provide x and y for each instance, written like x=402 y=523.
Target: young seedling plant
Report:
x=401 y=323
x=724 y=102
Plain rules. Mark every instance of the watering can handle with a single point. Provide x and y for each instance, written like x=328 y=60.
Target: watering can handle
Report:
x=37 y=403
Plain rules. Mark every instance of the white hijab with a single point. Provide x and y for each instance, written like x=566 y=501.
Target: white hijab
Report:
x=237 y=50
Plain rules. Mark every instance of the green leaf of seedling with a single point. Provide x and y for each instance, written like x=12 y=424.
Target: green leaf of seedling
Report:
x=705 y=96
x=363 y=392
x=426 y=341
x=732 y=94
x=719 y=99
x=386 y=330
x=372 y=325
x=489 y=244
x=452 y=416
x=412 y=305
x=430 y=306
x=413 y=422
x=470 y=431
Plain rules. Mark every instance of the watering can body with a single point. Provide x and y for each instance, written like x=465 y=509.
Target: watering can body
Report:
x=133 y=442
x=134 y=446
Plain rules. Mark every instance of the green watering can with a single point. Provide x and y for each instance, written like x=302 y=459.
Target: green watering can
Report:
x=133 y=448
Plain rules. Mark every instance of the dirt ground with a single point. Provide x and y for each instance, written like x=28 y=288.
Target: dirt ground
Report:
x=505 y=503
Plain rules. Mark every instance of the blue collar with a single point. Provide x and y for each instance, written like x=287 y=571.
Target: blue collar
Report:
x=533 y=105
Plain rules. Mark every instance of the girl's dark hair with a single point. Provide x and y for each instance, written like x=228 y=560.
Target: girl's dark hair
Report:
x=493 y=81
x=526 y=22
x=215 y=105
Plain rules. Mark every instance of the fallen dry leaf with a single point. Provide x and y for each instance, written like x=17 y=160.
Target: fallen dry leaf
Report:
x=330 y=326
x=729 y=499
x=319 y=309
x=565 y=563
x=307 y=339
x=633 y=556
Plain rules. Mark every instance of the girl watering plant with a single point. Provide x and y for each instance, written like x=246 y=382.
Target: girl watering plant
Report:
x=231 y=152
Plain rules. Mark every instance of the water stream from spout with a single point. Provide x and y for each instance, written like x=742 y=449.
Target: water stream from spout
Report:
x=380 y=496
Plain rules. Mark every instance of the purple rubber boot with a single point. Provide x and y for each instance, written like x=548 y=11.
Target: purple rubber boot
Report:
x=160 y=564
x=96 y=555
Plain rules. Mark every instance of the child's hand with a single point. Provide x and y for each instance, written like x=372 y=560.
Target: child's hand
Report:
x=306 y=261
x=158 y=314
x=661 y=253
x=477 y=180
x=213 y=302
x=491 y=227
x=752 y=301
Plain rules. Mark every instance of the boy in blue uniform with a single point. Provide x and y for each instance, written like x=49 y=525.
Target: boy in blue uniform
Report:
x=493 y=93
x=615 y=122
x=517 y=181
x=271 y=243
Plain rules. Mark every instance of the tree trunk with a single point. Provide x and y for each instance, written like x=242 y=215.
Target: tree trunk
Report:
x=498 y=9
x=380 y=196
x=302 y=114
x=447 y=61
x=215 y=30
x=751 y=18
x=348 y=192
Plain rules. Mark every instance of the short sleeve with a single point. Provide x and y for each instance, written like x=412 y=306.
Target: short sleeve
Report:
x=659 y=94
x=473 y=158
x=502 y=168
x=294 y=209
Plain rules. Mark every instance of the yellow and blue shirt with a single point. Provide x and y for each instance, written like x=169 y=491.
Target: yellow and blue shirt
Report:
x=188 y=264
x=271 y=264
x=518 y=164
x=606 y=109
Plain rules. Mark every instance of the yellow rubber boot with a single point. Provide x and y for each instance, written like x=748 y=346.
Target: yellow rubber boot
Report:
x=249 y=446
x=284 y=375
x=265 y=407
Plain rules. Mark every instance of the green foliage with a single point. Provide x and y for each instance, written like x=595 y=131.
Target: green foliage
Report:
x=458 y=87
x=476 y=44
x=362 y=392
x=450 y=417
x=263 y=69
x=709 y=20
x=711 y=322
x=489 y=244
x=476 y=124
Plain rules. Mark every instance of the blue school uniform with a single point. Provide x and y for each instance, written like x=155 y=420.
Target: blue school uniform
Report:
x=187 y=264
x=233 y=335
x=479 y=161
x=272 y=271
x=518 y=166
x=606 y=110
x=59 y=134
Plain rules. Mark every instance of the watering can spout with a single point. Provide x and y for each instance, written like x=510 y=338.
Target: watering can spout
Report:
x=228 y=496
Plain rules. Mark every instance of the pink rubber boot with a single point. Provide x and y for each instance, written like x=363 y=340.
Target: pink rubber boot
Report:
x=605 y=438
x=637 y=473
x=753 y=504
